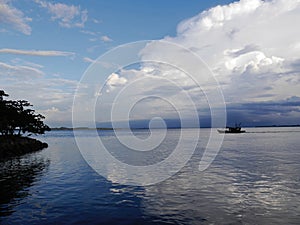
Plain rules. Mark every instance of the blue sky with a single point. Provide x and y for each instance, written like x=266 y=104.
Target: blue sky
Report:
x=251 y=46
x=108 y=24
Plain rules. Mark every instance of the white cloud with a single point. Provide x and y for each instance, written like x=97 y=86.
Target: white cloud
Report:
x=93 y=39
x=249 y=45
x=96 y=36
x=13 y=17
x=19 y=71
x=89 y=60
x=88 y=32
x=26 y=63
x=67 y=15
x=51 y=97
x=252 y=47
x=255 y=59
x=105 y=38
x=35 y=52
x=105 y=65
x=96 y=21
x=219 y=15
x=114 y=80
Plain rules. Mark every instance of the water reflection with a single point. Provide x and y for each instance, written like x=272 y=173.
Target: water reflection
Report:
x=254 y=180
x=250 y=181
x=16 y=176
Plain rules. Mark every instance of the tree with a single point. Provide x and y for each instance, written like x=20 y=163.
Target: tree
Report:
x=17 y=117
x=2 y=94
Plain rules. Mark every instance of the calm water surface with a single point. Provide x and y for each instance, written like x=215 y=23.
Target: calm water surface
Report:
x=255 y=179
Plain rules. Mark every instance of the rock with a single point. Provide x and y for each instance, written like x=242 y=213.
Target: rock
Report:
x=11 y=146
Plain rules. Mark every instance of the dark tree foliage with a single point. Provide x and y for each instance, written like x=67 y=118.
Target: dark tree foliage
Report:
x=17 y=117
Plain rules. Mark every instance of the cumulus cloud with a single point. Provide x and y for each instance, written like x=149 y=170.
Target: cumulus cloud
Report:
x=35 y=52
x=218 y=16
x=249 y=44
x=114 y=80
x=13 y=17
x=252 y=47
x=66 y=15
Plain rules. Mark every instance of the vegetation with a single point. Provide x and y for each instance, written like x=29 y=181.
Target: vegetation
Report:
x=16 y=119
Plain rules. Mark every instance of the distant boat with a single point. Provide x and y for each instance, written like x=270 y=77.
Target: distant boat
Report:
x=237 y=129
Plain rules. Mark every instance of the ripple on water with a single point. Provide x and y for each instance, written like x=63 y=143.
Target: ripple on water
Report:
x=253 y=180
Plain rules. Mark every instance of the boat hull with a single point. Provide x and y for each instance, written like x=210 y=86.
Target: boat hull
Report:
x=231 y=132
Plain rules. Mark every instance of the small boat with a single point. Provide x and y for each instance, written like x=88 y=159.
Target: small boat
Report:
x=237 y=129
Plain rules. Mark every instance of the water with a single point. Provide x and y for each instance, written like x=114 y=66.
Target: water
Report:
x=253 y=180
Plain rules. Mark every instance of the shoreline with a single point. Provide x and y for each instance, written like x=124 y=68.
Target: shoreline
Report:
x=169 y=128
x=12 y=146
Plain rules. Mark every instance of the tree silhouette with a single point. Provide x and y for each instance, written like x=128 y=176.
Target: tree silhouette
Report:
x=17 y=117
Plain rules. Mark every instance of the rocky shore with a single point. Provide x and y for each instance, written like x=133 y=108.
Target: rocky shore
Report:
x=11 y=146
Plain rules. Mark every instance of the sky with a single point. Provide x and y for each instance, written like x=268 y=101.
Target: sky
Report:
x=250 y=46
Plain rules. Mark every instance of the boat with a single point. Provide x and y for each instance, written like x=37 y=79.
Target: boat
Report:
x=237 y=129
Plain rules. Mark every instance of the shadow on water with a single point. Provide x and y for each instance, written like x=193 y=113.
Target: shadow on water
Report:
x=16 y=176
